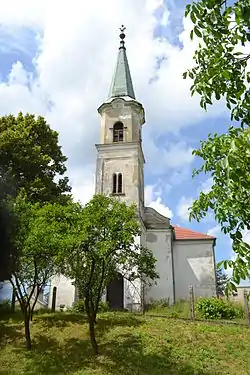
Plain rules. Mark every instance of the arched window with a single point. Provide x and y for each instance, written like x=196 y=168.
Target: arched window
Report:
x=114 y=189
x=118 y=131
x=119 y=188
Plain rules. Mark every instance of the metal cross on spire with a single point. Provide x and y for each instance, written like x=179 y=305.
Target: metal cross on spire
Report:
x=122 y=36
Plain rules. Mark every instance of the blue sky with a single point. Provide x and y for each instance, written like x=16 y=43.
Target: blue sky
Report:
x=60 y=64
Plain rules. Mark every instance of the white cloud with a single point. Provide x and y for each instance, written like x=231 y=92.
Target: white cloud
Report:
x=83 y=186
x=172 y=156
x=183 y=207
x=214 y=231
x=206 y=185
x=153 y=199
x=74 y=65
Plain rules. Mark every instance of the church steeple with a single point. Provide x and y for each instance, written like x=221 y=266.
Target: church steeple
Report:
x=121 y=84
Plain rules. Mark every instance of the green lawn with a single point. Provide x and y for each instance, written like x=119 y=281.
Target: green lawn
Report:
x=130 y=344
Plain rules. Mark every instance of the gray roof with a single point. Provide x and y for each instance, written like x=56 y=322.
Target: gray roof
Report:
x=121 y=84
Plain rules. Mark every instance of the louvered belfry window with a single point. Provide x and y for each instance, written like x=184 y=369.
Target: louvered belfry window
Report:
x=118 y=132
x=117 y=183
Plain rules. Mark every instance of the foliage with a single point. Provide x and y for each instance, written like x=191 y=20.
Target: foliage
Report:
x=5 y=307
x=221 y=281
x=31 y=161
x=30 y=154
x=103 y=245
x=38 y=245
x=79 y=306
x=221 y=70
x=103 y=307
x=131 y=344
x=158 y=304
x=215 y=308
x=7 y=224
x=227 y=158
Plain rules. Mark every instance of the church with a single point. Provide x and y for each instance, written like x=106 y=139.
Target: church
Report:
x=184 y=257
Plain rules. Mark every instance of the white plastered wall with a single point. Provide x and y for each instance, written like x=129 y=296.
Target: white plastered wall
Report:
x=194 y=265
x=159 y=241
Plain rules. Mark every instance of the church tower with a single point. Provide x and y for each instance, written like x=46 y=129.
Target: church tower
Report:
x=120 y=159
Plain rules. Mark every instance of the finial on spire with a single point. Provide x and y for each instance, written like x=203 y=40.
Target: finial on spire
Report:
x=122 y=36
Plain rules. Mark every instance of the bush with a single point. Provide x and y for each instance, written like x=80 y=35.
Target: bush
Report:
x=214 y=308
x=79 y=306
x=158 y=304
x=5 y=306
x=103 y=307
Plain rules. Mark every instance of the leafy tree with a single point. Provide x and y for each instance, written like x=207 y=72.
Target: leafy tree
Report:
x=221 y=70
x=31 y=161
x=38 y=245
x=6 y=225
x=30 y=153
x=102 y=246
x=221 y=281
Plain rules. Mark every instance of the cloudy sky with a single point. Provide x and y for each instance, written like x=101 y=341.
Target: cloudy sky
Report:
x=57 y=60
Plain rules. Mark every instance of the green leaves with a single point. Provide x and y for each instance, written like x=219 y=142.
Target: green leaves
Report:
x=197 y=32
x=221 y=71
x=29 y=151
x=226 y=157
x=219 y=68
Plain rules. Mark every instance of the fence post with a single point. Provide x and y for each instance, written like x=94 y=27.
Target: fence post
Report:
x=246 y=308
x=191 y=298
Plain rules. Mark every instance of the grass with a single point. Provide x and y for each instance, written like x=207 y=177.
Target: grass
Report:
x=129 y=344
x=182 y=310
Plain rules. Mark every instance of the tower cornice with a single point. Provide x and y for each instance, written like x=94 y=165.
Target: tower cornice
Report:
x=122 y=101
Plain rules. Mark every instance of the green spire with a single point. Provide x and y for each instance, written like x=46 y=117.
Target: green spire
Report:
x=121 y=84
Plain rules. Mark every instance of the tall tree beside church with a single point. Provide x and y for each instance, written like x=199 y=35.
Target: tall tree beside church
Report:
x=7 y=222
x=32 y=162
x=103 y=245
x=30 y=154
x=222 y=71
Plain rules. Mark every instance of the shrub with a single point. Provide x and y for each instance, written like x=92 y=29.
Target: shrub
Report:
x=158 y=304
x=79 y=306
x=103 y=307
x=214 y=308
x=5 y=306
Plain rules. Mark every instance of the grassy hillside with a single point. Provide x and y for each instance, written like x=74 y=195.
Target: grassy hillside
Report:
x=129 y=345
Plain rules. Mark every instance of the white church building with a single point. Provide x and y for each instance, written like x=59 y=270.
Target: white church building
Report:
x=184 y=257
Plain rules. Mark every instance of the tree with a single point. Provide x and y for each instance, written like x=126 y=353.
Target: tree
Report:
x=103 y=245
x=6 y=225
x=221 y=61
x=31 y=162
x=221 y=70
x=38 y=245
x=221 y=281
x=30 y=154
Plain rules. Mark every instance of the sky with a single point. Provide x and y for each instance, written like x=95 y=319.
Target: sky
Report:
x=57 y=60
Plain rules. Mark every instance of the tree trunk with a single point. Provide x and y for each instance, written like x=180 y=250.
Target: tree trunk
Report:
x=91 y=320
x=27 y=332
x=92 y=335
